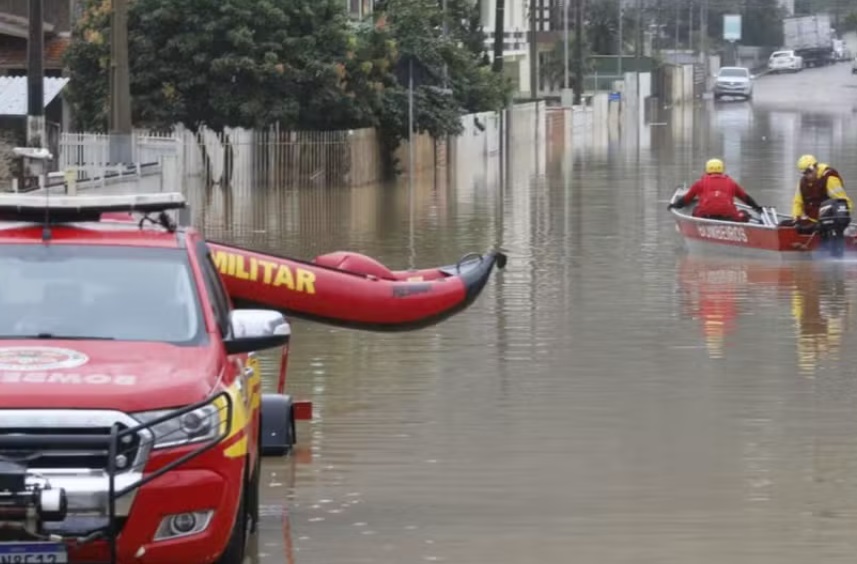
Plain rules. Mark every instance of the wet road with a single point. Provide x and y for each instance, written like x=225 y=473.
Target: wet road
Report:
x=607 y=397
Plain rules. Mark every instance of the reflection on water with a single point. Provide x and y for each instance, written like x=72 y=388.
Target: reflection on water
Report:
x=718 y=292
x=607 y=397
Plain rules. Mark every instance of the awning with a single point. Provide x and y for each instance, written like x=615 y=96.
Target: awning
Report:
x=13 y=93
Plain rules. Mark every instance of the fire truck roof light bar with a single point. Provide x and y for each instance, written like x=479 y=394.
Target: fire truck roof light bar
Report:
x=89 y=206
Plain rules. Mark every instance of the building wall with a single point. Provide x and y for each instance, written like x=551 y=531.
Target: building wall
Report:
x=56 y=12
x=516 y=52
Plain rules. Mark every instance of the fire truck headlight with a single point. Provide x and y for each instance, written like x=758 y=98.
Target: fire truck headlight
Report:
x=203 y=424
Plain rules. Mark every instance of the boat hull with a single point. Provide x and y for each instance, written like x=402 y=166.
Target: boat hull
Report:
x=349 y=289
x=352 y=290
x=752 y=239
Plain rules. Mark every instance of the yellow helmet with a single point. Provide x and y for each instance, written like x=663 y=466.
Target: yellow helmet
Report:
x=714 y=166
x=805 y=162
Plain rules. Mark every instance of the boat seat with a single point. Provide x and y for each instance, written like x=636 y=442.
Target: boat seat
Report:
x=355 y=262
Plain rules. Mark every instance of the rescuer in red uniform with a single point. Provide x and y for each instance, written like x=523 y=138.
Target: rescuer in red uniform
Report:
x=716 y=192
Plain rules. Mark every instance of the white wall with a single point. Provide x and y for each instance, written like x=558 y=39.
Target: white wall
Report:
x=515 y=15
x=850 y=39
x=514 y=21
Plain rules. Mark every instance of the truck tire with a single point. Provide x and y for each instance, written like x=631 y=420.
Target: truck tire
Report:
x=236 y=548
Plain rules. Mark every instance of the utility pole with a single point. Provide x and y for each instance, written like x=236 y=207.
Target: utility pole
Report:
x=445 y=36
x=690 y=25
x=621 y=38
x=677 y=22
x=703 y=39
x=567 y=99
x=499 y=47
x=638 y=47
x=565 y=42
x=578 y=45
x=35 y=76
x=535 y=5
x=120 y=86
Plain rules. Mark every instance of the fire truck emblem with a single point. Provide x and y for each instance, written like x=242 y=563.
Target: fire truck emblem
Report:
x=24 y=359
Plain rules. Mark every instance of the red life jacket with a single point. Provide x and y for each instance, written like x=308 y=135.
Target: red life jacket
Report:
x=716 y=197
x=815 y=192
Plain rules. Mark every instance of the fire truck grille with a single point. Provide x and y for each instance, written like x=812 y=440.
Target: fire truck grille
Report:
x=59 y=457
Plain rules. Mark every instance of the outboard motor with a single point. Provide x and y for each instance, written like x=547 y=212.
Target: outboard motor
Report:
x=833 y=219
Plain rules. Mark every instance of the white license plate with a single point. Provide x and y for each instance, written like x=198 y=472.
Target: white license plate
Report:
x=33 y=553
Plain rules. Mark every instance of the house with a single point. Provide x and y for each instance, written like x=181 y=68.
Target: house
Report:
x=14 y=32
x=13 y=118
x=516 y=32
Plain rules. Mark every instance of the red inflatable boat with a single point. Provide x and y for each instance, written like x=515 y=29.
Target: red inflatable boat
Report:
x=349 y=289
x=353 y=290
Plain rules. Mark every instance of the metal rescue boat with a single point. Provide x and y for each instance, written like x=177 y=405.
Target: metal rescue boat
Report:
x=763 y=235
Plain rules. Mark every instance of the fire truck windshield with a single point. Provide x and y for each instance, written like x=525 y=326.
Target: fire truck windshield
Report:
x=98 y=292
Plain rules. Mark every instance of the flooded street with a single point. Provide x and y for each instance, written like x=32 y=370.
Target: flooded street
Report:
x=607 y=397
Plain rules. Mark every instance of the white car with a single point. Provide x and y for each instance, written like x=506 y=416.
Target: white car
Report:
x=734 y=81
x=784 y=61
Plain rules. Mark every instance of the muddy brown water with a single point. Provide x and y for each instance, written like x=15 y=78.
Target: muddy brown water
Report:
x=607 y=399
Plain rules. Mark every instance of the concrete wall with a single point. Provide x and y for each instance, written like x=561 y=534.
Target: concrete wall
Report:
x=850 y=39
x=681 y=84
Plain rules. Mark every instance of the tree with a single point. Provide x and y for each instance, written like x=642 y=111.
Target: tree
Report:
x=761 y=21
x=603 y=26
x=414 y=26
x=849 y=23
x=220 y=63
x=299 y=63
x=553 y=69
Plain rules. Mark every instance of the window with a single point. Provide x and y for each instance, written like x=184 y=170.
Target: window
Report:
x=734 y=72
x=214 y=285
x=122 y=293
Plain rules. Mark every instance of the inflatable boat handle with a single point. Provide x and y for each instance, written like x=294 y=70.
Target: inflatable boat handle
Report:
x=462 y=259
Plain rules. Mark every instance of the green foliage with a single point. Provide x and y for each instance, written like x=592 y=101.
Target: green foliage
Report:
x=553 y=69
x=88 y=60
x=761 y=21
x=838 y=9
x=849 y=22
x=300 y=63
x=603 y=26
x=414 y=27
x=238 y=63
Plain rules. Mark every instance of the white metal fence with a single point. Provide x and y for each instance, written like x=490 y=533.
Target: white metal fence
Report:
x=93 y=149
x=275 y=157
x=237 y=156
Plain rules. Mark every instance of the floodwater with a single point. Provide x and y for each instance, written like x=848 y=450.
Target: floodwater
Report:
x=608 y=399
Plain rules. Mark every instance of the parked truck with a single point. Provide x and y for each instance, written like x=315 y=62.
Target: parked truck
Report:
x=811 y=38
